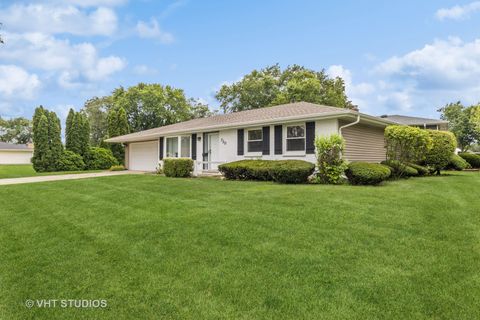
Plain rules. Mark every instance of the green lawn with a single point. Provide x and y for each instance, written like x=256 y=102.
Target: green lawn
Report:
x=26 y=170
x=156 y=248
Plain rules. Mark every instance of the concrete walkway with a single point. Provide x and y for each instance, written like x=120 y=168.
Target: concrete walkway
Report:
x=66 y=177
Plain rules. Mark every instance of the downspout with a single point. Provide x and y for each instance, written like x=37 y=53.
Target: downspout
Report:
x=349 y=124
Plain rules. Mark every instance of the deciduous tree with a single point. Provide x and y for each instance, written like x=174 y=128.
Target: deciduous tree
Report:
x=272 y=86
x=464 y=122
x=16 y=130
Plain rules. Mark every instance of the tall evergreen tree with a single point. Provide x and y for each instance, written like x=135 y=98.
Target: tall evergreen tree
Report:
x=41 y=146
x=77 y=133
x=55 y=149
x=68 y=129
x=47 y=141
x=83 y=134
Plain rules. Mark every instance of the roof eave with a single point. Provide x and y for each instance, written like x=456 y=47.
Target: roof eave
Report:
x=153 y=136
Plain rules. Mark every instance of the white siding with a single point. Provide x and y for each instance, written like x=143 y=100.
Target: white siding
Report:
x=15 y=157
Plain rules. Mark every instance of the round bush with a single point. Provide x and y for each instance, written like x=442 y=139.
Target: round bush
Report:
x=291 y=171
x=472 y=158
x=443 y=146
x=283 y=171
x=70 y=161
x=177 y=167
x=457 y=163
x=100 y=159
x=421 y=170
x=364 y=173
x=400 y=170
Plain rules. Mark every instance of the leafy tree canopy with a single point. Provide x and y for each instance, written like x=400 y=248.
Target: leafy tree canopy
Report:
x=272 y=86
x=16 y=130
x=153 y=105
x=96 y=110
x=146 y=106
x=464 y=122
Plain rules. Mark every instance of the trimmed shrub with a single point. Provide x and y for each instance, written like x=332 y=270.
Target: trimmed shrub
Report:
x=100 y=159
x=400 y=170
x=117 y=168
x=291 y=171
x=406 y=144
x=472 y=159
x=178 y=167
x=443 y=146
x=457 y=163
x=364 y=173
x=283 y=171
x=70 y=161
x=421 y=170
x=331 y=166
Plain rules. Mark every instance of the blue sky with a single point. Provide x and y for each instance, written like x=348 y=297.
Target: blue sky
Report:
x=407 y=57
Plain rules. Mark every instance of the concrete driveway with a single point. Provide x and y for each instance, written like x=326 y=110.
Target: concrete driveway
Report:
x=66 y=177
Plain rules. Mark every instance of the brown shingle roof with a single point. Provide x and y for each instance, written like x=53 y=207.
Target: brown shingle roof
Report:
x=412 y=121
x=291 y=111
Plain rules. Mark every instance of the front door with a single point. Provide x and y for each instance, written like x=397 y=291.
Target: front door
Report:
x=212 y=149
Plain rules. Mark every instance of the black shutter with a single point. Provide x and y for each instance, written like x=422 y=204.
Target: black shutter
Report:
x=266 y=140
x=194 y=146
x=240 y=142
x=310 y=137
x=278 y=139
x=160 y=155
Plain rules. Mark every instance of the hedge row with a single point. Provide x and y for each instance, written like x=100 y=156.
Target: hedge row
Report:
x=95 y=159
x=472 y=159
x=457 y=163
x=282 y=171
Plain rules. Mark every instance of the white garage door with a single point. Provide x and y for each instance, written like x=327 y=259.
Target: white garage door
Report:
x=15 y=157
x=143 y=156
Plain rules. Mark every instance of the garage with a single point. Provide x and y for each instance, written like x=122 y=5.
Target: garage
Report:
x=15 y=153
x=143 y=156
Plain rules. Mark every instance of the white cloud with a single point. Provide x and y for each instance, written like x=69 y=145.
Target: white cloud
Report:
x=15 y=82
x=73 y=62
x=444 y=64
x=152 y=30
x=458 y=12
x=144 y=70
x=59 y=19
x=93 y=3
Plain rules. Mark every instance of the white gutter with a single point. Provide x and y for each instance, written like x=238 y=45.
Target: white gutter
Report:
x=349 y=124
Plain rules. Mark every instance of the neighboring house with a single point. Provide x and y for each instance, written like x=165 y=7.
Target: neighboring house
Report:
x=15 y=153
x=423 y=123
x=280 y=132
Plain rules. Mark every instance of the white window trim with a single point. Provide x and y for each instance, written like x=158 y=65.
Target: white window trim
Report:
x=294 y=153
x=256 y=153
x=179 y=146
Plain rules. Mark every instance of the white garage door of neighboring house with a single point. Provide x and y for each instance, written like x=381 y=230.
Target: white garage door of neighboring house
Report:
x=143 y=156
x=15 y=157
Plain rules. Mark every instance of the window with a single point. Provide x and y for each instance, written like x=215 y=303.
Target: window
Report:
x=254 y=140
x=172 y=147
x=296 y=138
x=185 y=147
x=176 y=143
